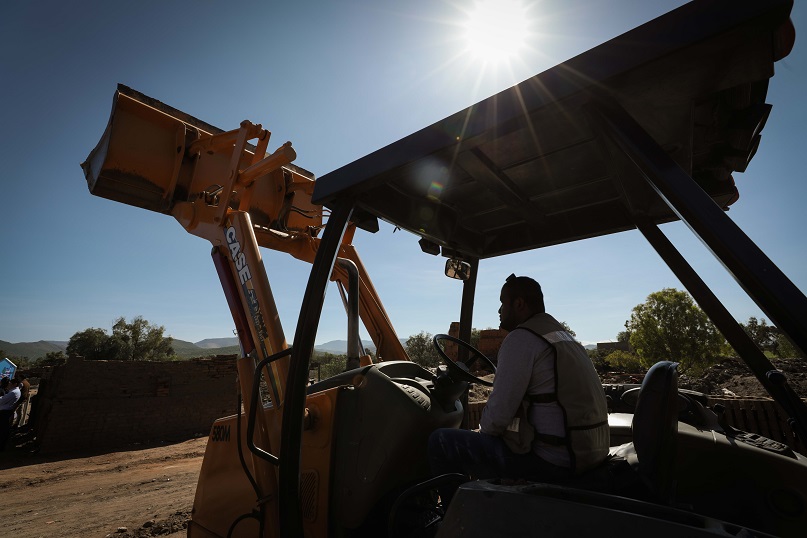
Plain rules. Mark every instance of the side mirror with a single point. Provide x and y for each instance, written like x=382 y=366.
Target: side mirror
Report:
x=458 y=269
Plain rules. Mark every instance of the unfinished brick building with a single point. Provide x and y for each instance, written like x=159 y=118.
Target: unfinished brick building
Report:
x=85 y=404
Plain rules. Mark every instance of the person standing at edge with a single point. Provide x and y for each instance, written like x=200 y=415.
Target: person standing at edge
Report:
x=8 y=403
x=25 y=391
x=540 y=363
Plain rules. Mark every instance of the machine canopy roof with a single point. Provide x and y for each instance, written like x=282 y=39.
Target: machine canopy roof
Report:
x=528 y=167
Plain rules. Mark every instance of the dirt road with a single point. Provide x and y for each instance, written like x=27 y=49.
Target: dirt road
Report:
x=146 y=490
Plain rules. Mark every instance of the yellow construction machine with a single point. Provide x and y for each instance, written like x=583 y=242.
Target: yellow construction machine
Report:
x=645 y=129
x=220 y=187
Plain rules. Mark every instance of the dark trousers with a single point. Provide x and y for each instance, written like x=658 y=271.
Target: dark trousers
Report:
x=480 y=455
x=5 y=427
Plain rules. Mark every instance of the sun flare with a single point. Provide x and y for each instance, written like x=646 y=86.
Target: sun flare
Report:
x=496 y=30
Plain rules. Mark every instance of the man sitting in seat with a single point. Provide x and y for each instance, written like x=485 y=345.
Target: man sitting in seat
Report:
x=541 y=363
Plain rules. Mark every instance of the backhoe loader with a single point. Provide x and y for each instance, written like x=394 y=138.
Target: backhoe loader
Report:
x=642 y=130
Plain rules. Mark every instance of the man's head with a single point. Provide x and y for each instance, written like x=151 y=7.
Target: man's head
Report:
x=521 y=298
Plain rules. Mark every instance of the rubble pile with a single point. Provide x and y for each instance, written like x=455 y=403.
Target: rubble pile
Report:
x=732 y=377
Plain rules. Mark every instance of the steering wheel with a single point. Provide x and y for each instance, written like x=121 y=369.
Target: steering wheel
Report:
x=462 y=370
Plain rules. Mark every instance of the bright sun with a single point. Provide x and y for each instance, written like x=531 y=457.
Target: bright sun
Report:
x=496 y=30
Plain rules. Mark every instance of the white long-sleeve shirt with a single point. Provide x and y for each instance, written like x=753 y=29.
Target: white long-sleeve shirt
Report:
x=526 y=365
x=9 y=399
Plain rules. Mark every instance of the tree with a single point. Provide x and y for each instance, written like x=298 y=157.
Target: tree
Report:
x=52 y=357
x=476 y=336
x=92 y=344
x=770 y=338
x=624 y=361
x=420 y=349
x=138 y=340
x=785 y=348
x=329 y=365
x=761 y=333
x=569 y=329
x=670 y=326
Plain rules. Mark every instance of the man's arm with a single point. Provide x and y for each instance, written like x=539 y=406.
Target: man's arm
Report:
x=516 y=358
x=8 y=400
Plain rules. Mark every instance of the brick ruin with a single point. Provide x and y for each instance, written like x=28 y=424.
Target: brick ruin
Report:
x=490 y=340
x=83 y=404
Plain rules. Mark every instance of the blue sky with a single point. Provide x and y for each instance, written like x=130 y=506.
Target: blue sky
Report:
x=339 y=80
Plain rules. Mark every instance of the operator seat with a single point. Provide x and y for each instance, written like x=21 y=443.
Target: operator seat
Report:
x=642 y=468
x=655 y=431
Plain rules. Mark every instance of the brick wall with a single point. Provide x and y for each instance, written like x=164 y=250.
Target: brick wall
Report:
x=100 y=404
x=490 y=340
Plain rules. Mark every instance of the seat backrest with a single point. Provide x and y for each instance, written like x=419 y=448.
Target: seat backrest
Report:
x=655 y=428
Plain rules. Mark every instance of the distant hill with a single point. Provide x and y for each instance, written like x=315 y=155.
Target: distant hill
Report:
x=334 y=346
x=189 y=350
x=209 y=343
x=339 y=347
x=183 y=349
x=31 y=350
x=229 y=346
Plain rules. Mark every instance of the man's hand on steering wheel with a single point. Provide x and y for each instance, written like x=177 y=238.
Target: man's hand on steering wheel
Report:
x=461 y=370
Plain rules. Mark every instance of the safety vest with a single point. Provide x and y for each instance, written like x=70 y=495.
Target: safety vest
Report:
x=578 y=392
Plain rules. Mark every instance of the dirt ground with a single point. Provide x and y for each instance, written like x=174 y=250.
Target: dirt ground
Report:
x=147 y=491
x=143 y=491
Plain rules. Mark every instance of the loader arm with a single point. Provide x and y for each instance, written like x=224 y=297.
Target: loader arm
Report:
x=224 y=189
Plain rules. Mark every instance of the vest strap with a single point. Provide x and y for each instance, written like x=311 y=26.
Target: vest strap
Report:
x=590 y=426
x=547 y=397
x=549 y=439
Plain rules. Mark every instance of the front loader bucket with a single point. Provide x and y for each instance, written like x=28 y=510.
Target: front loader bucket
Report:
x=143 y=159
